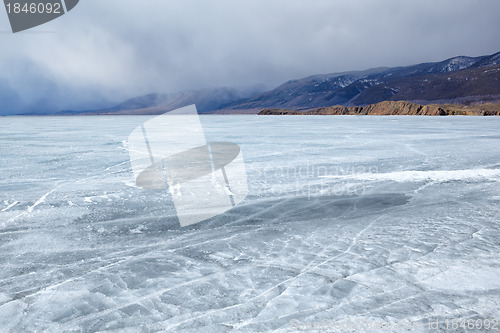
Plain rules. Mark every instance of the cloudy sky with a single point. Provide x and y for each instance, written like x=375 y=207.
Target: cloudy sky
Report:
x=104 y=51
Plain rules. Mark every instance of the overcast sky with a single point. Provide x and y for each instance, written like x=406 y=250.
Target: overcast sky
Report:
x=109 y=50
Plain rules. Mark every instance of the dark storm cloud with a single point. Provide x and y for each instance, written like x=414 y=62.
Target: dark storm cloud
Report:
x=104 y=51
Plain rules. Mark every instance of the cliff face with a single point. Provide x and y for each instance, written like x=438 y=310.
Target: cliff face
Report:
x=401 y=108
x=405 y=108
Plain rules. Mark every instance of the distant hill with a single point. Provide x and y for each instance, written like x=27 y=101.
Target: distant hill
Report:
x=206 y=100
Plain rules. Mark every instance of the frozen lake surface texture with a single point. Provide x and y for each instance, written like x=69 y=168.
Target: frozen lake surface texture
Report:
x=374 y=219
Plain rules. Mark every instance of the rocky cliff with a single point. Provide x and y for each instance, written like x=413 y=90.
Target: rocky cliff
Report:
x=400 y=108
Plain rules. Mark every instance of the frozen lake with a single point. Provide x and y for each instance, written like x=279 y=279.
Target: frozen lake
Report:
x=374 y=219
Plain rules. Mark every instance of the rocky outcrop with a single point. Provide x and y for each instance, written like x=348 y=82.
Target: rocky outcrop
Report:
x=399 y=108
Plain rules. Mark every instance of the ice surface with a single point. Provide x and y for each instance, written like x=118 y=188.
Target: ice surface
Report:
x=366 y=218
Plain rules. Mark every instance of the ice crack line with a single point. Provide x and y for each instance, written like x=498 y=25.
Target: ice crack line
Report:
x=282 y=283
x=38 y=202
x=9 y=206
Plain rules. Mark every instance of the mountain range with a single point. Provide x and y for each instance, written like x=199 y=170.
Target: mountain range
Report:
x=460 y=80
x=206 y=100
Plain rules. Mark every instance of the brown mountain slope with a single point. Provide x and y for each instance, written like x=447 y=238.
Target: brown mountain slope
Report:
x=459 y=80
x=482 y=81
x=387 y=108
